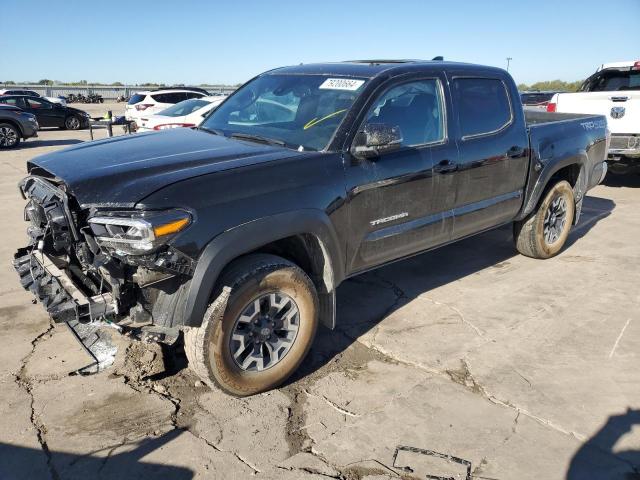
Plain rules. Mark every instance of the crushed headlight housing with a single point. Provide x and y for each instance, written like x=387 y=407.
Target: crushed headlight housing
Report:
x=137 y=233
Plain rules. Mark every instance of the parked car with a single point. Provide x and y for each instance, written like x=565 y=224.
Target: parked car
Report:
x=16 y=125
x=613 y=91
x=151 y=102
x=49 y=114
x=187 y=113
x=238 y=232
x=536 y=100
x=32 y=93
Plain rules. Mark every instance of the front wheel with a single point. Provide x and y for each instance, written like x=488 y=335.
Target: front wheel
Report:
x=544 y=232
x=267 y=328
x=72 y=123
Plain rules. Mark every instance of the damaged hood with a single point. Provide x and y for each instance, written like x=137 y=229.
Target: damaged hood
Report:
x=123 y=170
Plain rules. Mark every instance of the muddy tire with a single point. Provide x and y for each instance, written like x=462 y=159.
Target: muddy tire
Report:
x=544 y=232
x=268 y=326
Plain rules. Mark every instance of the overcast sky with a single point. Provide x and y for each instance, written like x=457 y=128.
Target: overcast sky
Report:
x=195 y=42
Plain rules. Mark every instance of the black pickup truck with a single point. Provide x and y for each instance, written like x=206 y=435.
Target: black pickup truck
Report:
x=236 y=233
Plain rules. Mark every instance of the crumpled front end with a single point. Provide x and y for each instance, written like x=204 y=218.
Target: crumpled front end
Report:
x=100 y=271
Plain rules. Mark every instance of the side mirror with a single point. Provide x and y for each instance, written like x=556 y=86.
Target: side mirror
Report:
x=376 y=139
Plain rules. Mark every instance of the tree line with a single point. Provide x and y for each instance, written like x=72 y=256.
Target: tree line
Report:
x=555 y=85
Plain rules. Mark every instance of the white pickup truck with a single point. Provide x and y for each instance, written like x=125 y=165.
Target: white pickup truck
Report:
x=614 y=91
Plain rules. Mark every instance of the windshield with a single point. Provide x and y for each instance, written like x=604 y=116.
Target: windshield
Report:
x=184 y=108
x=612 y=80
x=301 y=111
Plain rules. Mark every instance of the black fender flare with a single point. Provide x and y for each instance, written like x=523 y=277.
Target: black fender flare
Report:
x=250 y=236
x=549 y=169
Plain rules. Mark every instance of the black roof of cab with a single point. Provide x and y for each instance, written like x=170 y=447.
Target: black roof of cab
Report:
x=373 y=68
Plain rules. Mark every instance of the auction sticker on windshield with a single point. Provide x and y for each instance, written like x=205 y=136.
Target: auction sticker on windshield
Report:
x=341 y=84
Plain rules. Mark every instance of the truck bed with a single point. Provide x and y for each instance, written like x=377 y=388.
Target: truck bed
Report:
x=558 y=139
x=535 y=117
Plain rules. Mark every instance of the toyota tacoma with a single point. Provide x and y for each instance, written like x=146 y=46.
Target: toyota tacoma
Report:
x=234 y=235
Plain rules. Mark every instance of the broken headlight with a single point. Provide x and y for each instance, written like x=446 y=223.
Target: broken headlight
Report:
x=137 y=233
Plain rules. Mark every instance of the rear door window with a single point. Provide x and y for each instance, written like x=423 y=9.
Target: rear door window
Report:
x=16 y=102
x=37 y=104
x=173 y=97
x=189 y=95
x=483 y=105
x=136 y=98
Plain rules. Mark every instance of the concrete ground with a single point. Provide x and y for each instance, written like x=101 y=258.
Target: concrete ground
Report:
x=516 y=367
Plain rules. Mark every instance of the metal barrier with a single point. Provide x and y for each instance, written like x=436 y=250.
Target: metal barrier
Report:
x=107 y=92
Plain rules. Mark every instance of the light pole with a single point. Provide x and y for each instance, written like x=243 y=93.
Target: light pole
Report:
x=508 y=62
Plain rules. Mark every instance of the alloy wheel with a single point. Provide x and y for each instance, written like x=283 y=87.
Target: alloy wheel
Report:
x=8 y=137
x=555 y=220
x=264 y=332
x=73 y=123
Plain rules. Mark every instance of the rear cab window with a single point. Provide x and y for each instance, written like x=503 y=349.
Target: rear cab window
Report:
x=613 y=80
x=483 y=106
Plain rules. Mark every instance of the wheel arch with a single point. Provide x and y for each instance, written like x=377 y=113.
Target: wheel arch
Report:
x=570 y=168
x=305 y=237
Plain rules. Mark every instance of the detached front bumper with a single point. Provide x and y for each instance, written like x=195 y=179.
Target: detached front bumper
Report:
x=65 y=302
x=58 y=293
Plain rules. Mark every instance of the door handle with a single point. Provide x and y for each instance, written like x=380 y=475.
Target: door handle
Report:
x=445 y=166
x=515 y=152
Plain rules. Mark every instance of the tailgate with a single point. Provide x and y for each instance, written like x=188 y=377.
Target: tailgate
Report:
x=622 y=108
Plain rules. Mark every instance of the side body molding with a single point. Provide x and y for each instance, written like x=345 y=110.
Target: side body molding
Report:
x=251 y=236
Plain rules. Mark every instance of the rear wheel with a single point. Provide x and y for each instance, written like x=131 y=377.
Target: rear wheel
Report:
x=9 y=136
x=266 y=331
x=544 y=232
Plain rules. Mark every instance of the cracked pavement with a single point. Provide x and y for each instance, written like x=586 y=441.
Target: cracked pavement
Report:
x=525 y=368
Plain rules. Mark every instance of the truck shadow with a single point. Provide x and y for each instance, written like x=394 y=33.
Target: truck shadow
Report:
x=629 y=181
x=366 y=300
x=26 y=463
x=596 y=458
